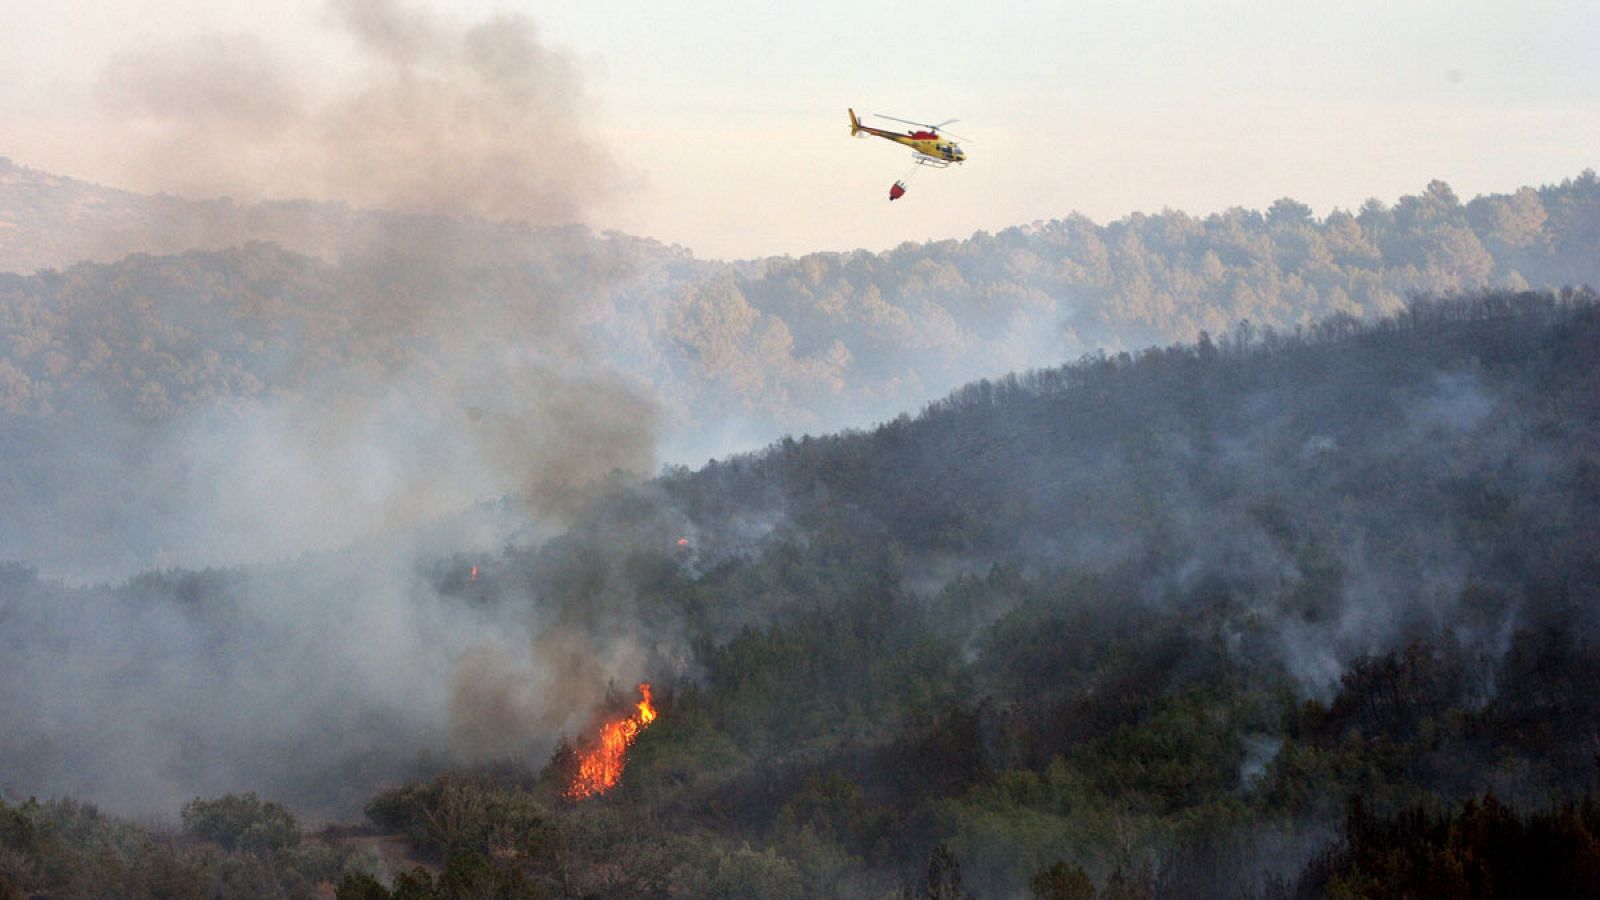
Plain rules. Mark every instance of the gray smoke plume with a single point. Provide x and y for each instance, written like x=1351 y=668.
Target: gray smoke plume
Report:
x=465 y=410
x=442 y=119
x=487 y=385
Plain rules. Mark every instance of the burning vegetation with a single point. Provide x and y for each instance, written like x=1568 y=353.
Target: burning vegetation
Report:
x=600 y=764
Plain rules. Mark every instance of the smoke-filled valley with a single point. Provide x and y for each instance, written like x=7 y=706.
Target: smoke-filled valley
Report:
x=1149 y=621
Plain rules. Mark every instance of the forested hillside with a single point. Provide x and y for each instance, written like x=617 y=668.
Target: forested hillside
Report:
x=1217 y=619
x=435 y=349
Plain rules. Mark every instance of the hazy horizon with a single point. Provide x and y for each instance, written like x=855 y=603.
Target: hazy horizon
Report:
x=725 y=132
x=360 y=362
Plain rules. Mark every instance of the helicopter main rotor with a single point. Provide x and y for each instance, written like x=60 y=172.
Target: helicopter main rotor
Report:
x=932 y=128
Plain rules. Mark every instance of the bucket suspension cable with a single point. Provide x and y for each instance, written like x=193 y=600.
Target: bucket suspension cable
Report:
x=901 y=184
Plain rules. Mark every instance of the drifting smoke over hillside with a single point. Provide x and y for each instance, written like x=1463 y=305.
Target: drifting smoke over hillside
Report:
x=322 y=405
x=1050 y=555
x=288 y=406
x=443 y=120
x=438 y=347
x=1332 y=494
x=433 y=130
x=317 y=683
x=1300 y=502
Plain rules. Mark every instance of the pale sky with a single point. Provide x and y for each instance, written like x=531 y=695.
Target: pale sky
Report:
x=727 y=119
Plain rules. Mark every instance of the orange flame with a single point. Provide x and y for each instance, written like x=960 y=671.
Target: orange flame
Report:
x=600 y=767
x=474 y=576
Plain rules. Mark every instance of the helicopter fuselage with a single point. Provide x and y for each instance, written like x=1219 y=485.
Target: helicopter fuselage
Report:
x=932 y=148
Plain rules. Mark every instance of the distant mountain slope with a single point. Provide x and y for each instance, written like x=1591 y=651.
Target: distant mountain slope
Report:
x=314 y=305
x=52 y=222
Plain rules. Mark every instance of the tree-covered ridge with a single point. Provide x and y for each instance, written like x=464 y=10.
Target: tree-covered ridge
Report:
x=1161 y=613
x=1140 y=280
x=1143 y=624
x=108 y=367
x=153 y=336
x=816 y=342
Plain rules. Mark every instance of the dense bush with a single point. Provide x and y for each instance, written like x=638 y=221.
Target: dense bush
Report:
x=242 y=822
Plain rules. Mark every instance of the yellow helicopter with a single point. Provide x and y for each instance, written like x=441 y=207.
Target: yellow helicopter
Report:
x=930 y=147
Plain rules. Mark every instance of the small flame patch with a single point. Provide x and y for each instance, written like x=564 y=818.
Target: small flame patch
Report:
x=600 y=767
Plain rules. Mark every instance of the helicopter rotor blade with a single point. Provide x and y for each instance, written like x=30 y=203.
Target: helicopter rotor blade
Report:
x=933 y=128
x=904 y=121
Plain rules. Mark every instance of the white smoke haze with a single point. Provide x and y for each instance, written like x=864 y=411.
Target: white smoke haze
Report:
x=317 y=682
x=139 y=702
x=348 y=461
